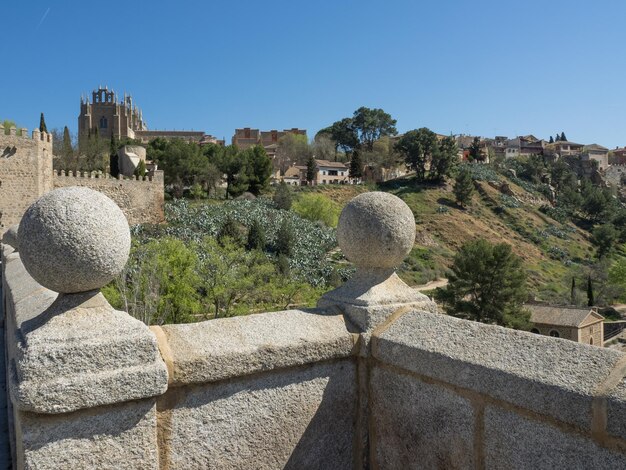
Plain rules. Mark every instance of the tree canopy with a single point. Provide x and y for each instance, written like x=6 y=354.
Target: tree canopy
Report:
x=487 y=283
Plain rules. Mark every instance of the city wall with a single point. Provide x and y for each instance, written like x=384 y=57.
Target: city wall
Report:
x=25 y=172
x=141 y=199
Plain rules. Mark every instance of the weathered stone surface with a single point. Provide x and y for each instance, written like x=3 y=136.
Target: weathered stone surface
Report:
x=547 y=375
x=231 y=347
x=513 y=442
x=74 y=240
x=10 y=236
x=292 y=419
x=376 y=230
x=371 y=296
x=115 y=437
x=69 y=352
x=82 y=353
x=417 y=425
x=616 y=411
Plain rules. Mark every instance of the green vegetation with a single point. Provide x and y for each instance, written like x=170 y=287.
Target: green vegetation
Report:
x=282 y=196
x=487 y=283
x=421 y=148
x=215 y=260
x=317 y=207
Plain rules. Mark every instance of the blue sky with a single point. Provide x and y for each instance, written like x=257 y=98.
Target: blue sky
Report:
x=475 y=67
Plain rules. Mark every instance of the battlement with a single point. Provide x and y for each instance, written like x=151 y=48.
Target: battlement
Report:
x=156 y=177
x=35 y=135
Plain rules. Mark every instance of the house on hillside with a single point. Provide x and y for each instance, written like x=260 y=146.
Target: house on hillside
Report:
x=598 y=153
x=565 y=148
x=583 y=325
x=618 y=156
x=327 y=173
x=523 y=146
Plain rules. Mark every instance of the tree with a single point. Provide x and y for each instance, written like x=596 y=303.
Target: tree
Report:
x=372 y=124
x=230 y=230
x=8 y=124
x=140 y=170
x=573 y=291
x=230 y=163
x=256 y=237
x=284 y=239
x=551 y=141
x=417 y=147
x=343 y=134
x=42 y=124
x=475 y=155
x=291 y=149
x=487 y=284
x=445 y=160
x=563 y=138
x=557 y=138
x=590 y=301
x=282 y=197
x=604 y=237
x=317 y=207
x=463 y=187
x=258 y=169
x=356 y=165
x=311 y=170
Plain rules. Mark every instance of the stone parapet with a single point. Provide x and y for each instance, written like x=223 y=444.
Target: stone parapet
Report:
x=233 y=347
x=493 y=375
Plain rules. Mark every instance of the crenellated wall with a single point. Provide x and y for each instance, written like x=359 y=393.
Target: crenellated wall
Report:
x=141 y=199
x=25 y=172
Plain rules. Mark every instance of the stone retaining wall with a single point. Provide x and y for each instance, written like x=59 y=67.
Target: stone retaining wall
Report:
x=142 y=200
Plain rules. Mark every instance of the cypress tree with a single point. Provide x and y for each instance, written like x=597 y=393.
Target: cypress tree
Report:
x=563 y=138
x=284 y=239
x=356 y=165
x=551 y=140
x=573 y=292
x=256 y=237
x=42 y=124
x=463 y=187
x=590 y=300
x=282 y=197
x=311 y=170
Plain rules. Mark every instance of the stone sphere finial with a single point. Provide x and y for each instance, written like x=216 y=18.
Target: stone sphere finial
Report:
x=376 y=230
x=74 y=240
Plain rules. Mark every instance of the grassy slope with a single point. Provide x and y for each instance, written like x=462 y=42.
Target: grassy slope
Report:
x=547 y=247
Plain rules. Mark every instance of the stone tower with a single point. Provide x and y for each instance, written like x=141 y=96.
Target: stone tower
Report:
x=109 y=116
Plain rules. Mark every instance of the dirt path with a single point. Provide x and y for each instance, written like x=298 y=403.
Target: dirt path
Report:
x=433 y=284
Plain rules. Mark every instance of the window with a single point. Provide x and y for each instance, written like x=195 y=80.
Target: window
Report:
x=555 y=334
x=535 y=330
x=324 y=172
x=591 y=341
x=103 y=122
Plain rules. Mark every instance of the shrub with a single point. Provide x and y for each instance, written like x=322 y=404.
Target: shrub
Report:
x=317 y=207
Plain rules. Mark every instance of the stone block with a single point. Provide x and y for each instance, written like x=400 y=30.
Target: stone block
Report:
x=293 y=419
x=231 y=347
x=616 y=411
x=417 y=425
x=550 y=376
x=115 y=437
x=514 y=442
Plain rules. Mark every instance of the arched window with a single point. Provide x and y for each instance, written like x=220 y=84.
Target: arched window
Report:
x=555 y=334
x=591 y=340
x=103 y=122
x=535 y=330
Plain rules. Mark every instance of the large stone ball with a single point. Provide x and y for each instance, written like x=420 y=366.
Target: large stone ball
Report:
x=376 y=230
x=74 y=240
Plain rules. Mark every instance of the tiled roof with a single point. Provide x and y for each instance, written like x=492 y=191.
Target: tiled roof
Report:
x=329 y=164
x=559 y=315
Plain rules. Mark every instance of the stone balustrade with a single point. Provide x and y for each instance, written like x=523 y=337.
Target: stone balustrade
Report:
x=373 y=377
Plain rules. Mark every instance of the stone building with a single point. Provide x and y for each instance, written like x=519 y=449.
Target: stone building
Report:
x=598 y=153
x=583 y=325
x=327 y=173
x=124 y=119
x=247 y=137
x=110 y=116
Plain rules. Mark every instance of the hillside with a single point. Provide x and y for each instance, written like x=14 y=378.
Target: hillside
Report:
x=550 y=249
